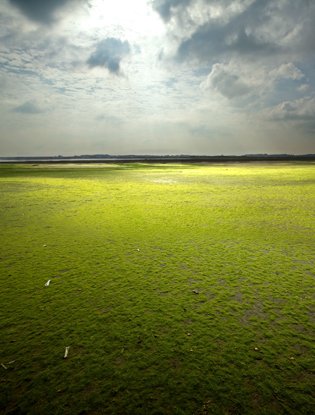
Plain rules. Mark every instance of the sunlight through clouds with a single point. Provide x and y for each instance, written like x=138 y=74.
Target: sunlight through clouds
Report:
x=133 y=19
x=156 y=76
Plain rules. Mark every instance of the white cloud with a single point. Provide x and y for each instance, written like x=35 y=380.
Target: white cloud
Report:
x=252 y=85
x=303 y=88
x=287 y=71
x=298 y=110
x=226 y=82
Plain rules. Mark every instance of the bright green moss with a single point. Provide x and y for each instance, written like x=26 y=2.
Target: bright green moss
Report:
x=180 y=289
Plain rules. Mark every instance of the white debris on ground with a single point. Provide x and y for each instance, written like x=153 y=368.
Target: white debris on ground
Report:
x=66 y=352
x=47 y=283
x=5 y=366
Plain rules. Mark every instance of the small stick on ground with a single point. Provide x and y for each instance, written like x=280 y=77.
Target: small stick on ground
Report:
x=66 y=352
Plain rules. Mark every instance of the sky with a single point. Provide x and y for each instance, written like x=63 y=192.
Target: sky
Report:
x=157 y=77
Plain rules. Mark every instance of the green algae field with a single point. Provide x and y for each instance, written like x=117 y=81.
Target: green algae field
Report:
x=178 y=289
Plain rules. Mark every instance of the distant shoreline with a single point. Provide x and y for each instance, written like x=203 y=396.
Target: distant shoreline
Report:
x=155 y=159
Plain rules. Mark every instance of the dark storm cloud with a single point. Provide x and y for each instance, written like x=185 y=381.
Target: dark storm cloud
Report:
x=166 y=8
x=261 y=28
x=109 y=53
x=213 y=40
x=28 y=107
x=239 y=35
x=42 y=11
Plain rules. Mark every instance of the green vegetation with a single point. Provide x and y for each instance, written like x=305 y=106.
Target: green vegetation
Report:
x=180 y=289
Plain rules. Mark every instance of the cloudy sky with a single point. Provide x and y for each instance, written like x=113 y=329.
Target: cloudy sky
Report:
x=157 y=77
